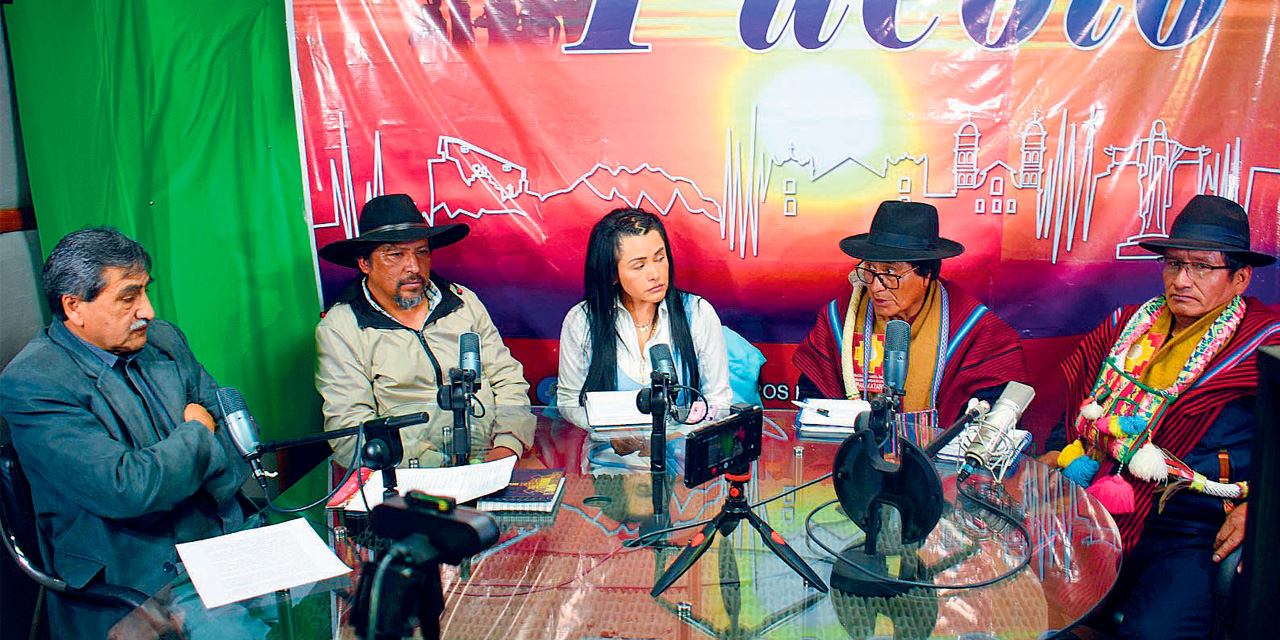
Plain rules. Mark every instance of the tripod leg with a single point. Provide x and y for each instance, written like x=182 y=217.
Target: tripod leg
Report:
x=689 y=555
x=780 y=548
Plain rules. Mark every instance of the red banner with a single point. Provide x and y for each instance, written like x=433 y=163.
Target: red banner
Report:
x=1051 y=136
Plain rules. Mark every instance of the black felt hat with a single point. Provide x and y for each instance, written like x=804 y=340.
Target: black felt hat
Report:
x=1211 y=223
x=902 y=232
x=391 y=218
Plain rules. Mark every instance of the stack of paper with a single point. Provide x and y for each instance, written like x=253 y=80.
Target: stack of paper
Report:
x=615 y=410
x=1013 y=444
x=250 y=563
x=821 y=418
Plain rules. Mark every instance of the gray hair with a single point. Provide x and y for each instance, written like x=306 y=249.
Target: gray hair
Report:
x=77 y=266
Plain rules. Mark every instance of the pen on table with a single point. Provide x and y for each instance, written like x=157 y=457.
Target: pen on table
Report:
x=805 y=405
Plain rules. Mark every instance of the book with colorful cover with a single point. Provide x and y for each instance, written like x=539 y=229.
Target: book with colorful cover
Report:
x=530 y=491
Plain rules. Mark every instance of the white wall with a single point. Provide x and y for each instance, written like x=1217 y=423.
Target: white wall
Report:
x=21 y=313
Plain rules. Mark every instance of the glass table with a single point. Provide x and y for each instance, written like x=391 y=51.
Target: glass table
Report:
x=571 y=575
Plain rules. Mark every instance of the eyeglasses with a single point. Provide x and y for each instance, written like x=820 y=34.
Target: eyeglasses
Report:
x=1197 y=270
x=888 y=279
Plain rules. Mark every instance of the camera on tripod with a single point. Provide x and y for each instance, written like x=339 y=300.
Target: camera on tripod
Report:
x=402 y=585
x=730 y=445
x=728 y=448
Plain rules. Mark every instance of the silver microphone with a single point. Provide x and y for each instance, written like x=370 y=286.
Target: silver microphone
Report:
x=242 y=430
x=993 y=441
x=469 y=354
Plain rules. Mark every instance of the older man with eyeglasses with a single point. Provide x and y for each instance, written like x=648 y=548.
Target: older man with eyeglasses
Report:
x=1160 y=419
x=959 y=348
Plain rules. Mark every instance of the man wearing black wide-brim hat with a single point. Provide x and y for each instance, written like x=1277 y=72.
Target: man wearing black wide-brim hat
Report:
x=385 y=347
x=1160 y=421
x=959 y=348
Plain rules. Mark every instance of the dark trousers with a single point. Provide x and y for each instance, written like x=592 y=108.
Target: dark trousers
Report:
x=1163 y=591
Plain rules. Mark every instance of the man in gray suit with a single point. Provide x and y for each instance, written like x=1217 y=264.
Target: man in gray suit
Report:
x=114 y=422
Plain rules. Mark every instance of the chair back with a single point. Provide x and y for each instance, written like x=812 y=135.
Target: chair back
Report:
x=745 y=361
x=18 y=520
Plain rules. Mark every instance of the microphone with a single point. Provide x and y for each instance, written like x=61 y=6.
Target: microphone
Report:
x=242 y=430
x=456 y=397
x=663 y=362
x=655 y=400
x=897 y=343
x=469 y=354
x=974 y=410
x=992 y=444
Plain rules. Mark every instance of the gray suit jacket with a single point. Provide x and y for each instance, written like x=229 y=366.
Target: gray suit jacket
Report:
x=112 y=492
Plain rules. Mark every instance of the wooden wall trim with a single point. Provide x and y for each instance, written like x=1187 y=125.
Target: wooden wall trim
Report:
x=20 y=219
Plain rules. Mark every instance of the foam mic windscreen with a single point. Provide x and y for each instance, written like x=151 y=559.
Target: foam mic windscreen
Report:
x=897 y=345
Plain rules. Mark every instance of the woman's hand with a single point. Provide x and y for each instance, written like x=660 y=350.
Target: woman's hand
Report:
x=630 y=444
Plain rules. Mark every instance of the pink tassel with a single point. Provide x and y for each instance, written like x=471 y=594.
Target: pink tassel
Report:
x=1114 y=493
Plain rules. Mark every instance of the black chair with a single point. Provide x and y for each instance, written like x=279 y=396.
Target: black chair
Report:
x=18 y=532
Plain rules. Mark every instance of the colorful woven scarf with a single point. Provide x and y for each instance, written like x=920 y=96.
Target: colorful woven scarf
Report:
x=1119 y=417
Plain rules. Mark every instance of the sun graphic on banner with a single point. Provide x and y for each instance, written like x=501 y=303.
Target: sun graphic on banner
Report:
x=819 y=117
x=821 y=111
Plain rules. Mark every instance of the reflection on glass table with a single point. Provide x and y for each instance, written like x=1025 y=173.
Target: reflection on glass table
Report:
x=570 y=573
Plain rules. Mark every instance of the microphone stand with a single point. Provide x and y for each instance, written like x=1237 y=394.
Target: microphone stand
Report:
x=456 y=398
x=884 y=407
x=658 y=439
x=383 y=448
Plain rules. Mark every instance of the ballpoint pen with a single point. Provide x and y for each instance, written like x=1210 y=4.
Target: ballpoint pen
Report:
x=804 y=405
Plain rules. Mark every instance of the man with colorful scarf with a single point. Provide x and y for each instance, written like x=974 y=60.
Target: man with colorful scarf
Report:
x=959 y=349
x=1160 y=417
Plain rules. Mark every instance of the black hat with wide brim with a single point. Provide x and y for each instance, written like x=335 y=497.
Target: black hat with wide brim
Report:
x=902 y=232
x=391 y=218
x=1211 y=223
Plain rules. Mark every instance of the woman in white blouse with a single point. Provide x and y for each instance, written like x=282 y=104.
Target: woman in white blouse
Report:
x=631 y=304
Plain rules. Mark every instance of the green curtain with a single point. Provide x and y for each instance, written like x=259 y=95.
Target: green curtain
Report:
x=174 y=122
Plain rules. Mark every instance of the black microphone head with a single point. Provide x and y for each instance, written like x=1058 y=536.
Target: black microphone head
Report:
x=230 y=401
x=660 y=356
x=897 y=336
x=469 y=352
x=897 y=347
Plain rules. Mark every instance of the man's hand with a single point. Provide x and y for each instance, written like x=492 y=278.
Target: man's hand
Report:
x=1231 y=533
x=1050 y=458
x=198 y=413
x=498 y=453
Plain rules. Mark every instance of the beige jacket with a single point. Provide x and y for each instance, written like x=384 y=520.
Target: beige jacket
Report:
x=371 y=366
